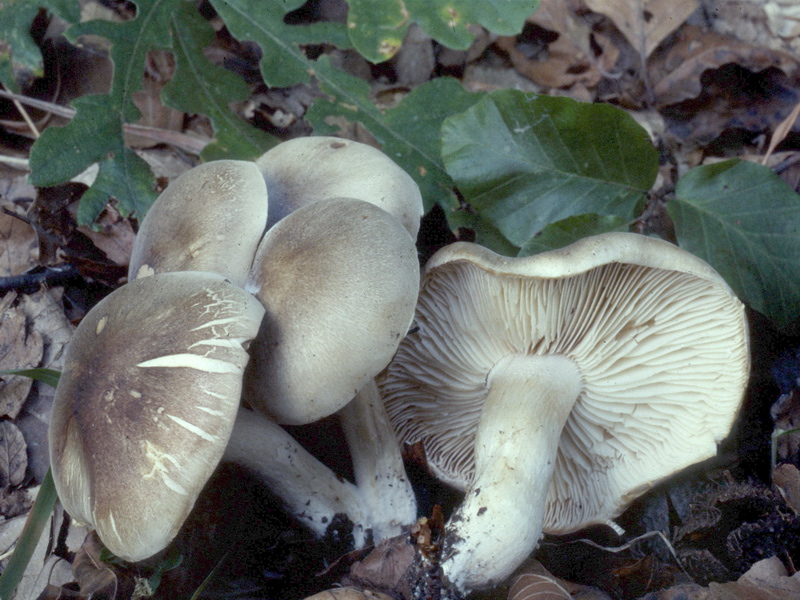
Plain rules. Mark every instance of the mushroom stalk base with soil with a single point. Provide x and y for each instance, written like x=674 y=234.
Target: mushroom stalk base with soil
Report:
x=500 y=520
x=378 y=463
x=309 y=489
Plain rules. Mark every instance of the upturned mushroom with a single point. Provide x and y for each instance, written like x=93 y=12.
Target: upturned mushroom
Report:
x=146 y=403
x=555 y=389
x=315 y=169
x=339 y=282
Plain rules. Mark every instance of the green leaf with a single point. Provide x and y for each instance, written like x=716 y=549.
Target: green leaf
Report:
x=565 y=232
x=745 y=221
x=19 y=53
x=411 y=136
x=125 y=177
x=31 y=533
x=523 y=161
x=199 y=86
x=283 y=63
x=377 y=29
x=95 y=135
x=48 y=376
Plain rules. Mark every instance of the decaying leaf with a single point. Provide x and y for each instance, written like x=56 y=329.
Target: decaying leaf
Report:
x=20 y=348
x=13 y=456
x=160 y=69
x=567 y=60
x=765 y=580
x=18 y=247
x=93 y=575
x=783 y=17
x=676 y=74
x=113 y=235
x=786 y=481
x=781 y=131
x=349 y=593
x=537 y=584
x=645 y=23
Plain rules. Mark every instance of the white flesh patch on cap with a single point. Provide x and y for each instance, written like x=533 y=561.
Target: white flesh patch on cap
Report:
x=194 y=429
x=160 y=468
x=192 y=361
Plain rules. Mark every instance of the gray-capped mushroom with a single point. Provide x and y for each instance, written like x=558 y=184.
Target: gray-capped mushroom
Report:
x=555 y=389
x=339 y=282
x=211 y=219
x=314 y=169
x=146 y=403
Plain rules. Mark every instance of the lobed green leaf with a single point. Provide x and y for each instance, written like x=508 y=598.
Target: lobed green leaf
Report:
x=19 y=53
x=95 y=135
x=377 y=29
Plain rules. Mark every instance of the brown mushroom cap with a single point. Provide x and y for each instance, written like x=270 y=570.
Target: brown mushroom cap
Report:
x=339 y=281
x=314 y=169
x=211 y=219
x=146 y=404
x=659 y=338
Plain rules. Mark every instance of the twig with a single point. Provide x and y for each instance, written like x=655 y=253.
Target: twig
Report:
x=189 y=143
x=31 y=282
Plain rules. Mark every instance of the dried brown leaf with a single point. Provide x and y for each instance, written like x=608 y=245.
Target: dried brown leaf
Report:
x=348 y=593
x=676 y=74
x=18 y=245
x=113 y=235
x=160 y=67
x=781 y=131
x=536 y=583
x=13 y=455
x=20 y=348
x=569 y=59
x=766 y=580
x=645 y=23
x=93 y=575
x=786 y=481
x=387 y=565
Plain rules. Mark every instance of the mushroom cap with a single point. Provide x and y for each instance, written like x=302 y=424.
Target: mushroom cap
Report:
x=146 y=403
x=659 y=338
x=211 y=219
x=314 y=169
x=339 y=280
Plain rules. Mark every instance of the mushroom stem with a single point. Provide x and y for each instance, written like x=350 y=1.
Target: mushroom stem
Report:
x=378 y=463
x=499 y=523
x=310 y=491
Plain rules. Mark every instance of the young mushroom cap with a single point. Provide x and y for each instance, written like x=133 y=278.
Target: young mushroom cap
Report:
x=339 y=281
x=557 y=388
x=211 y=219
x=146 y=403
x=313 y=169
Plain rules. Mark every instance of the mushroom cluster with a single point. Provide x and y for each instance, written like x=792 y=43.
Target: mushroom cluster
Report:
x=555 y=389
x=287 y=283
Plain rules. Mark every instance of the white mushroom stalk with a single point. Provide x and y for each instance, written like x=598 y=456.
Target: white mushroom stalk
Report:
x=312 y=492
x=555 y=389
x=378 y=464
x=515 y=450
